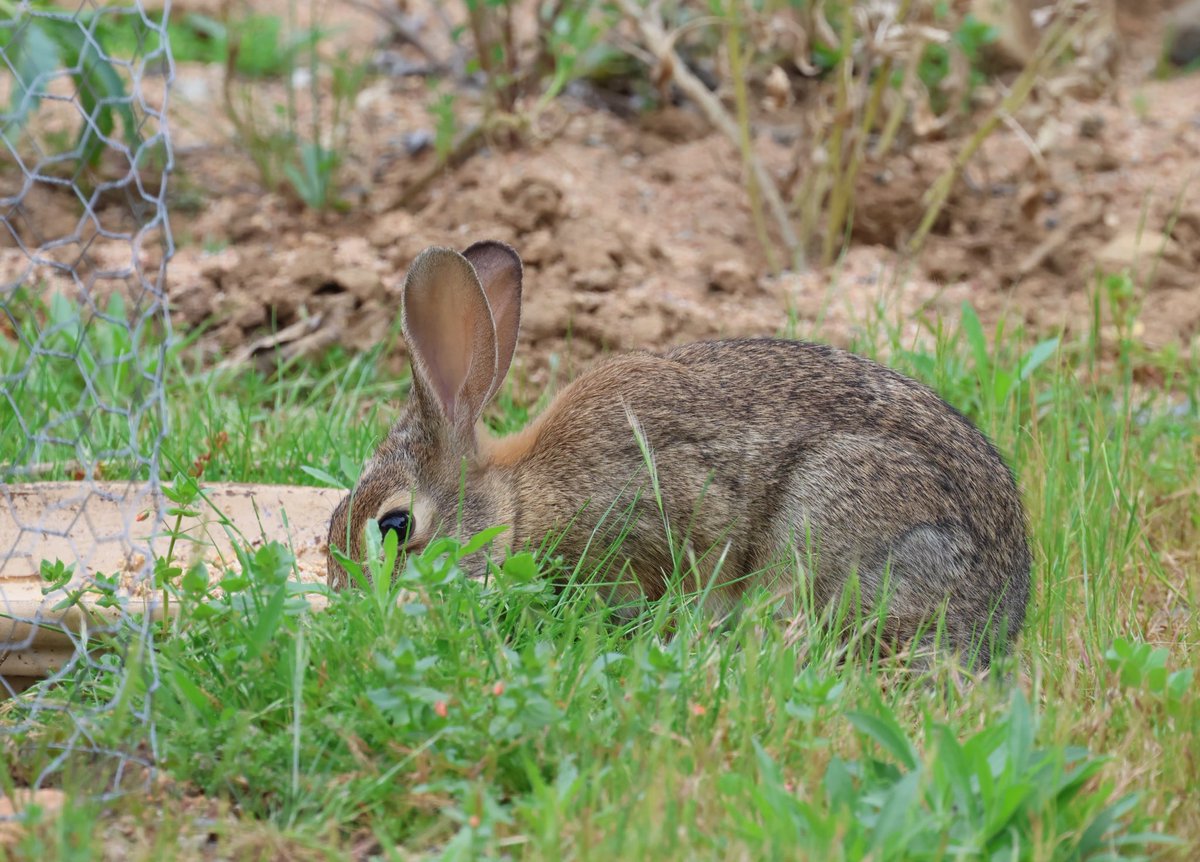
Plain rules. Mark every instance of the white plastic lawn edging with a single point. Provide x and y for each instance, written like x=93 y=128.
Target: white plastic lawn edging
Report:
x=84 y=525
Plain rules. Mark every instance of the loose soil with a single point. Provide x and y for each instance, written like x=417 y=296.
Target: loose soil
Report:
x=636 y=230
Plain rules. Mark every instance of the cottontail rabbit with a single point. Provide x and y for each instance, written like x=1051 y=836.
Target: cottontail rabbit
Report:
x=771 y=456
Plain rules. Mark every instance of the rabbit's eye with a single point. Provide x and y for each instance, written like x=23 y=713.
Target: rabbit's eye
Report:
x=399 y=521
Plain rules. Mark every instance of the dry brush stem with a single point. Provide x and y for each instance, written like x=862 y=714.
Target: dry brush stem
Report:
x=1058 y=38
x=468 y=144
x=745 y=142
x=662 y=46
x=402 y=28
x=846 y=174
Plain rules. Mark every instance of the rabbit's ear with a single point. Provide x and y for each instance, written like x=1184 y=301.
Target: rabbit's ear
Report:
x=499 y=269
x=449 y=331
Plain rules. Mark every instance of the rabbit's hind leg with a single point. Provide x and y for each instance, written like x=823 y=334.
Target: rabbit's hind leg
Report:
x=932 y=592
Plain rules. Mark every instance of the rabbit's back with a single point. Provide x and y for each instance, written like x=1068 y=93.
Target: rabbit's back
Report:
x=889 y=480
x=792 y=458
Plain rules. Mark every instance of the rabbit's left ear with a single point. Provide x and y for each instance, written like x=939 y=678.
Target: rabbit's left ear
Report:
x=451 y=338
x=499 y=270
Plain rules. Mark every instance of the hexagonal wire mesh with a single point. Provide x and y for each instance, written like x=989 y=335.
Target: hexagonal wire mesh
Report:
x=84 y=242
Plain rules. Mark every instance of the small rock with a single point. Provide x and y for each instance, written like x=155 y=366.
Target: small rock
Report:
x=391 y=226
x=785 y=136
x=418 y=141
x=362 y=281
x=1139 y=252
x=1091 y=126
x=677 y=125
x=663 y=173
x=243 y=312
x=1184 y=29
x=598 y=279
x=534 y=203
x=1093 y=156
x=539 y=248
x=192 y=87
x=777 y=89
x=731 y=276
x=311 y=266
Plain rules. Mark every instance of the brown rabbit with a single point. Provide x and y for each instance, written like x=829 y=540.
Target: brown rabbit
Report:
x=771 y=456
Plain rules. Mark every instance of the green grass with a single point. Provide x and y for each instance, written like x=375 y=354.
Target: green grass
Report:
x=456 y=719
x=83 y=375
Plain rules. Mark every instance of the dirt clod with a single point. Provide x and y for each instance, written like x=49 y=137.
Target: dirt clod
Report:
x=731 y=276
x=1184 y=30
x=636 y=231
x=1143 y=254
x=533 y=202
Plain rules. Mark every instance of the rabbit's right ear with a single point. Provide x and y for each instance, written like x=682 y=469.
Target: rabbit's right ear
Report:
x=451 y=337
x=499 y=269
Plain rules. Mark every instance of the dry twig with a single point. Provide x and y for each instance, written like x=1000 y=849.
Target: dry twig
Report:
x=1058 y=38
x=662 y=46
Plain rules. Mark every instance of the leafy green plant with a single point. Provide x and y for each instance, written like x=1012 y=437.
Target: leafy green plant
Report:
x=570 y=40
x=970 y=37
x=304 y=156
x=982 y=797
x=1139 y=665
x=999 y=383
x=80 y=375
x=262 y=49
x=260 y=46
x=990 y=380
x=37 y=48
x=569 y=45
x=492 y=28
x=568 y=36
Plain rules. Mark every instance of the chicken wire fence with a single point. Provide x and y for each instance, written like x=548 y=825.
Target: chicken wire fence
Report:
x=84 y=242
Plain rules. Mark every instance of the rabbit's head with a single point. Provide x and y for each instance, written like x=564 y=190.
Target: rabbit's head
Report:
x=461 y=316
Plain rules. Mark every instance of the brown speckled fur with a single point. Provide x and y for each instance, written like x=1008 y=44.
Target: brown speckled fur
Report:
x=759 y=444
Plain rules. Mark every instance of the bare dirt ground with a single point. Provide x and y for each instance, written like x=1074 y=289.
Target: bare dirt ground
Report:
x=637 y=232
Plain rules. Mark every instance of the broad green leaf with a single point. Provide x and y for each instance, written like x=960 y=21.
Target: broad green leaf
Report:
x=187 y=689
x=480 y=539
x=1020 y=733
x=887 y=733
x=1037 y=356
x=34 y=57
x=838 y=785
x=978 y=343
x=894 y=816
x=521 y=567
x=323 y=477
x=951 y=762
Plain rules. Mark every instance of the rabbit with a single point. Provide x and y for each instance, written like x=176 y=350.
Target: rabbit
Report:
x=775 y=459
